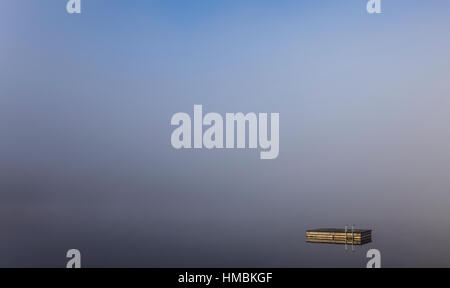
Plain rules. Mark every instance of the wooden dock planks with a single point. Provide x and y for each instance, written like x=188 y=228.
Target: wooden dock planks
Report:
x=339 y=236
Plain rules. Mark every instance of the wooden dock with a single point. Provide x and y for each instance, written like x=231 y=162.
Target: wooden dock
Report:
x=339 y=236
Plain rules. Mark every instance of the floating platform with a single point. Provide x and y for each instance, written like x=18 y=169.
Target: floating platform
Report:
x=339 y=236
